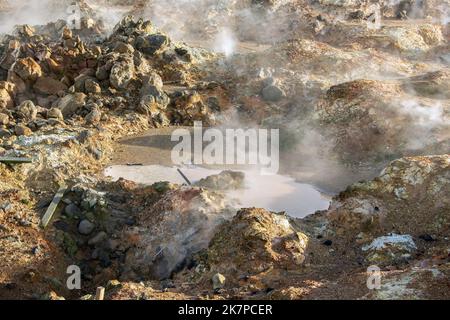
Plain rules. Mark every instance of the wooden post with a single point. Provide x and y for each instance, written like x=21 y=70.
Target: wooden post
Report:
x=100 y=294
x=15 y=160
x=52 y=208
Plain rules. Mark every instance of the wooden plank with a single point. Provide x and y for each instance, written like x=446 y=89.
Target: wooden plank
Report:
x=100 y=294
x=52 y=208
x=14 y=160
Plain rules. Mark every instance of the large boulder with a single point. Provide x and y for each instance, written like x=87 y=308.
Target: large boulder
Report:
x=27 y=69
x=254 y=241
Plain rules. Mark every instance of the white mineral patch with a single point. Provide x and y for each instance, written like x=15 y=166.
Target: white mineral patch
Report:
x=403 y=241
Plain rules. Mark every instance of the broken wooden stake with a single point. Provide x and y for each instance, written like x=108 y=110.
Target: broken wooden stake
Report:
x=15 y=160
x=184 y=177
x=100 y=294
x=52 y=208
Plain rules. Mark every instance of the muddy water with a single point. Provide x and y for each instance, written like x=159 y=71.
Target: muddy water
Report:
x=152 y=151
x=276 y=193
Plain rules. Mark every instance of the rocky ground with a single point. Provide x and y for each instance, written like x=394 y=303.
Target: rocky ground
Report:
x=363 y=109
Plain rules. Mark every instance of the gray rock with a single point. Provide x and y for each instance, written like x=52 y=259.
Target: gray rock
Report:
x=153 y=101
x=100 y=237
x=55 y=113
x=272 y=93
x=94 y=116
x=71 y=103
x=27 y=110
x=72 y=210
x=152 y=44
x=22 y=130
x=86 y=227
x=92 y=86
x=6 y=207
x=122 y=73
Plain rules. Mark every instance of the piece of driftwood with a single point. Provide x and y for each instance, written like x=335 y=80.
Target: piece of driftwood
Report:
x=184 y=177
x=53 y=205
x=100 y=293
x=15 y=160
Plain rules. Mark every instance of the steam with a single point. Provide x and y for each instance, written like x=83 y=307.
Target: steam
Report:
x=425 y=119
x=33 y=12
x=225 y=42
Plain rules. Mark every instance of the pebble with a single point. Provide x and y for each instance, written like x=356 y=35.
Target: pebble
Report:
x=72 y=210
x=100 y=237
x=218 y=281
x=86 y=227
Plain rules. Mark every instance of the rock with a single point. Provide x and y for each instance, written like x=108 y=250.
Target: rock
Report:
x=100 y=237
x=389 y=249
x=226 y=180
x=22 y=130
x=150 y=83
x=4 y=119
x=6 y=207
x=27 y=69
x=94 y=116
x=121 y=74
x=55 y=113
x=152 y=44
x=218 y=281
x=153 y=101
x=427 y=238
x=86 y=227
x=4 y=133
x=290 y=293
x=124 y=48
x=71 y=103
x=92 y=86
x=27 y=111
x=49 y=86
x=53 y=296
x=6 y=102
x=72 y=211
x=272 y=93
x=255 y=240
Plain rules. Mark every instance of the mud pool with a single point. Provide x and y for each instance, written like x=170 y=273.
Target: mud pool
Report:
x=276 y=193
